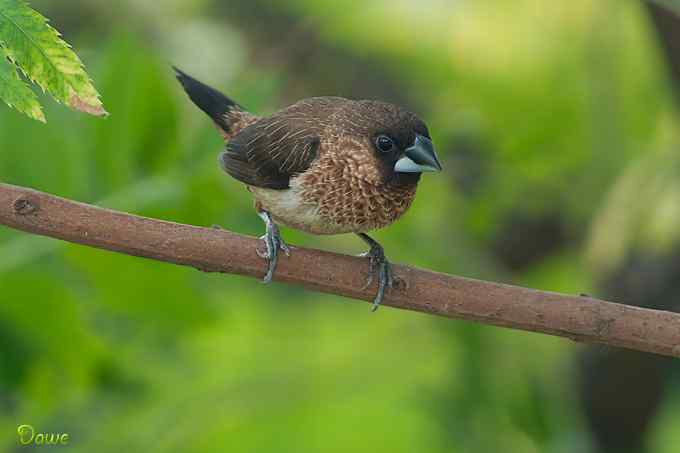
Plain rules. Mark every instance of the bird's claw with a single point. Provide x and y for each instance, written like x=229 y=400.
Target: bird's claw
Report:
x=273 y=243
x=264 y=254
x=371 y=269
x=270 y=244
x=283 y=246
x=380 y=266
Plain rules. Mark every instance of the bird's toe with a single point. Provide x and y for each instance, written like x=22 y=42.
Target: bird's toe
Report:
x=283 y=246
x=378 y=266
x=263 y=249
x=386 y=282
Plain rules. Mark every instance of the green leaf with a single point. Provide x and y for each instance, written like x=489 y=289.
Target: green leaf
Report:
x=45 y=58
x=15 y=92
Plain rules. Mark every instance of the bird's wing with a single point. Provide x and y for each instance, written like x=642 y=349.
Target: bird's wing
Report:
x=268 y=153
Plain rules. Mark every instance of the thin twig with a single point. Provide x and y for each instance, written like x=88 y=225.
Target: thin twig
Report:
x=579 y=318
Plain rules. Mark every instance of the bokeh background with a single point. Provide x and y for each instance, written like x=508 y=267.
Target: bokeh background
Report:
x=558 y=128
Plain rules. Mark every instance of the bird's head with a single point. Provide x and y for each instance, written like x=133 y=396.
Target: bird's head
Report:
x=397 y=139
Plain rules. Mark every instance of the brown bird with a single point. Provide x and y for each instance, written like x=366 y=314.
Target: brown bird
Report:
x=324 y=165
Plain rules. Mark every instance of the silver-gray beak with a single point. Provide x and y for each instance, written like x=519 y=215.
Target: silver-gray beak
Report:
x=419 y=158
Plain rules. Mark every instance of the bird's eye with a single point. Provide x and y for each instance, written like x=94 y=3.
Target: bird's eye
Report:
x=384 y=143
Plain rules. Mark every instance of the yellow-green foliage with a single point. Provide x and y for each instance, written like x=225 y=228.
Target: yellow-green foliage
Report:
x=15 y=92
x=29 y=43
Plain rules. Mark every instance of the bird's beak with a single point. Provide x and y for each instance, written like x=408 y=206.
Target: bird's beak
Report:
x=419 y=158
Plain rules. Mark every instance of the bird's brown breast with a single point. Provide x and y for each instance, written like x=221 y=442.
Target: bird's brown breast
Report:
x=353 y=204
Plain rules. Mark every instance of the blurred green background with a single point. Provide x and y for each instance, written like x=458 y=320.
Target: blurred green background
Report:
x=557 y=126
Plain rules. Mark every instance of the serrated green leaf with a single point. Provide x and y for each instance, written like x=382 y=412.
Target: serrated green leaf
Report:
x=15 y=92
x=46 y=59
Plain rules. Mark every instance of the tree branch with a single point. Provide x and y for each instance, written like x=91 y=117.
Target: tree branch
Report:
x=212 y=250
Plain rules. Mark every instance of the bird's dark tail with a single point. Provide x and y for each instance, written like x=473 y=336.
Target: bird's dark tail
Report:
x=229 y=116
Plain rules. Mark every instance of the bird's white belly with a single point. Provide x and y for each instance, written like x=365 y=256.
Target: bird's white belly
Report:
x=288 y=208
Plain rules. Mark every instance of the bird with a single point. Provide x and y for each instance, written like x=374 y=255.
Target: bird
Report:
x=324 y=165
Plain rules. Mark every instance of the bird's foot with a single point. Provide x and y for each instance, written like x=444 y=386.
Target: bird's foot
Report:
x=378 y=266
x=273 y=243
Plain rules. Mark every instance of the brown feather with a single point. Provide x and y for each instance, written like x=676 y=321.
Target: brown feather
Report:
x=270 y=151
